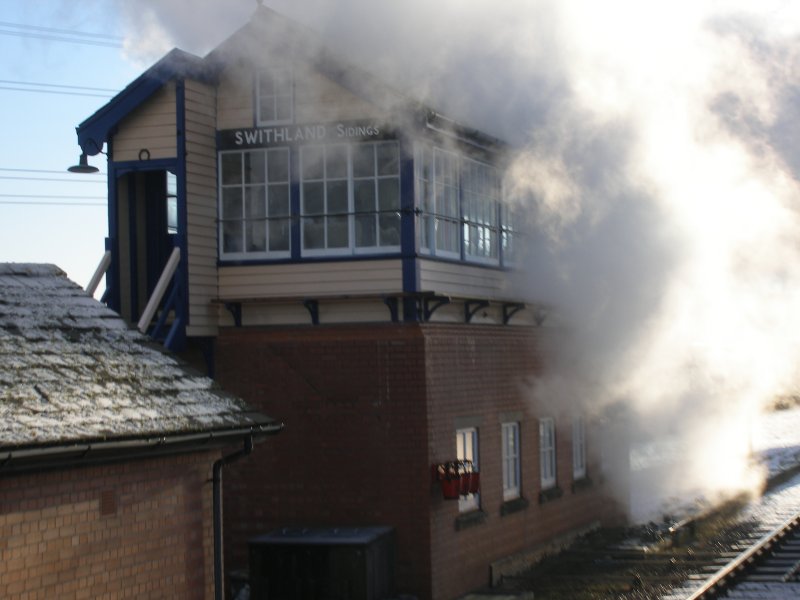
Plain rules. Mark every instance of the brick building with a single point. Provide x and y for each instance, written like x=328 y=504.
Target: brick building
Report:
x=107 y=447
x=344 y=258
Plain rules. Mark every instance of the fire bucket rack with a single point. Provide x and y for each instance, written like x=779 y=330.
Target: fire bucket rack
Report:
x=456 y=478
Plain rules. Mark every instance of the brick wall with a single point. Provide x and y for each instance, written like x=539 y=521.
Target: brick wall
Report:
x=368 y=409
x=140 y=529
x=354 y=450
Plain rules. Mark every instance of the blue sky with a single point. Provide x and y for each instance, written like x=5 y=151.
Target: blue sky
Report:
x=46 y=213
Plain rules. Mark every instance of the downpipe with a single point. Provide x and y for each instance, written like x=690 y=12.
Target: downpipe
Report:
x=217 y=479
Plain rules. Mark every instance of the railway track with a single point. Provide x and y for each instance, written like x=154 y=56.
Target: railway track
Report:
x=768 y=570
x=748 y=550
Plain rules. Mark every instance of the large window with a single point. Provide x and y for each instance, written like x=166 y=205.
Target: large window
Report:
x=578 y=448
x=350 y=198
x=467 y=449
x=547 y=452
x=254 y=204
x=511 y=461
x=275 y=96
x=460 y=201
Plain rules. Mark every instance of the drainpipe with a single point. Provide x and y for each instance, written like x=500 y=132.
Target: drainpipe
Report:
x=225 y=460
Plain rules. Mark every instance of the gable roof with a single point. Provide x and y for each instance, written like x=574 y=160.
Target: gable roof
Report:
x=267 y=33
x=71 y=371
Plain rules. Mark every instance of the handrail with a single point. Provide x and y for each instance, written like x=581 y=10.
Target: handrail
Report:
x=105 y=262
x=159 y=290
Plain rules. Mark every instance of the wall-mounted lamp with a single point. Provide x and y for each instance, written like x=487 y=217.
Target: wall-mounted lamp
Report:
x=83 y=166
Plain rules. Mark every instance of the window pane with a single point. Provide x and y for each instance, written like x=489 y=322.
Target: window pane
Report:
x=363 y=160
x=283 y=108
x=337 y=197
x=336 y=162
x=254 y=167
x=312 y=162
x=337 y=232
x=313 y=199
x=232 y=203
x=279 y=235
x=390 y=229
x=364 y=195
x=279 y=200
x=314 y=232
x=365 y=231
x=231 y=168
x=254 y=206
x=388 y=158
x=256 y=239
x=278 y=165
x=232 y=236
x=389 y=194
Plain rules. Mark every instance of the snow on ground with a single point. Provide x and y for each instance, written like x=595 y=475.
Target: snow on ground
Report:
x=775 y=444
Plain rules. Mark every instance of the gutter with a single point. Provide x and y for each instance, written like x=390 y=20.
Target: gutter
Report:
x=41 y=458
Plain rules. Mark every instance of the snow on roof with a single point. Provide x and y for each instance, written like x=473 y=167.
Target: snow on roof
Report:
x=72 y=370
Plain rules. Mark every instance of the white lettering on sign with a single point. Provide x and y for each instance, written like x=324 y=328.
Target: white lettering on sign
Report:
x=302 y=133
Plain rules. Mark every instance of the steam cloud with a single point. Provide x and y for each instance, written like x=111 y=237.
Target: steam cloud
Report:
x=661 y=143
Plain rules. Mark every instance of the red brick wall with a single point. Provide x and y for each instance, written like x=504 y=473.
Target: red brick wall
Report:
x=354 y=450
x=141 y=529
x=368 y=409
x=481 y=375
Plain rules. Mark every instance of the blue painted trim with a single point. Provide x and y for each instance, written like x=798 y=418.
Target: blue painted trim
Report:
x=295 y=243
x=133 y=252
x=408 y=230
x=182 y=302
x=112 y=241
x=156 y=164
x=98 y=128
x=310 y=259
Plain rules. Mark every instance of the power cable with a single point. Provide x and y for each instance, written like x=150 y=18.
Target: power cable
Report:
x=55 y=38
x=67 y=179
x=64 y=31
x=61 y=172
x=51 y=196
x=57 y=85
x=63 y=93
x=4 y=202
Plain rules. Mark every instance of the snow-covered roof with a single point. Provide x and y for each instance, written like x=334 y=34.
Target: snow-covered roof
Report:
x=71 y=370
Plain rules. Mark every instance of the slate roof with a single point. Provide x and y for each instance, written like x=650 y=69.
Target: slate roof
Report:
x=71 y=370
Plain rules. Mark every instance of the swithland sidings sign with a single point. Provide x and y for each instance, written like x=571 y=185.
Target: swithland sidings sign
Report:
x=281 y=135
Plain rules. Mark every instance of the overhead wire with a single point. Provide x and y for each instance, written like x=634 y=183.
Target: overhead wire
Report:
x=71 y=36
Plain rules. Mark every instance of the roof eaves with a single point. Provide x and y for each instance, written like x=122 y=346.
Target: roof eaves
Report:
x=94 y=131
x=30 y=458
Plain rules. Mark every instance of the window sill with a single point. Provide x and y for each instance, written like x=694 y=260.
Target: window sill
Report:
x=584 y=483
x=470 y=519
x=511 y=506
x=550 y=494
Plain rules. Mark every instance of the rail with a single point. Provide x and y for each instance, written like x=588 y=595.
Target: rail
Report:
x=105 y=262
x=723 y=578
x=159 y=291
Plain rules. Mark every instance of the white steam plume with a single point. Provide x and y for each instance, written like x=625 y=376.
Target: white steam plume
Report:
x=660 y=143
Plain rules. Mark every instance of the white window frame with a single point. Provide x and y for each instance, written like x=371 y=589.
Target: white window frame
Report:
x=578 y=448
x=352 y=248
x=547 y=452
x=467 y=449
x=284 y=75
x=511 y=461
x=243 y=186
x=477 y=222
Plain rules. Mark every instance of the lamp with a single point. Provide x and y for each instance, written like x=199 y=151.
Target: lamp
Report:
x=83 y=166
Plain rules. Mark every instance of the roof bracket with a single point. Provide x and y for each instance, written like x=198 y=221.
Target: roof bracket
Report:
x=431 y=303
x=391 y=304
x=473 y=306
x=312 y=306
x=235 y=308
x=510 y=309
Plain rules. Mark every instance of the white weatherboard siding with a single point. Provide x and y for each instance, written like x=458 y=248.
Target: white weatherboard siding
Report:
x=152 y=127
x=464 y=281
x=201 y=208
x=311 y=279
